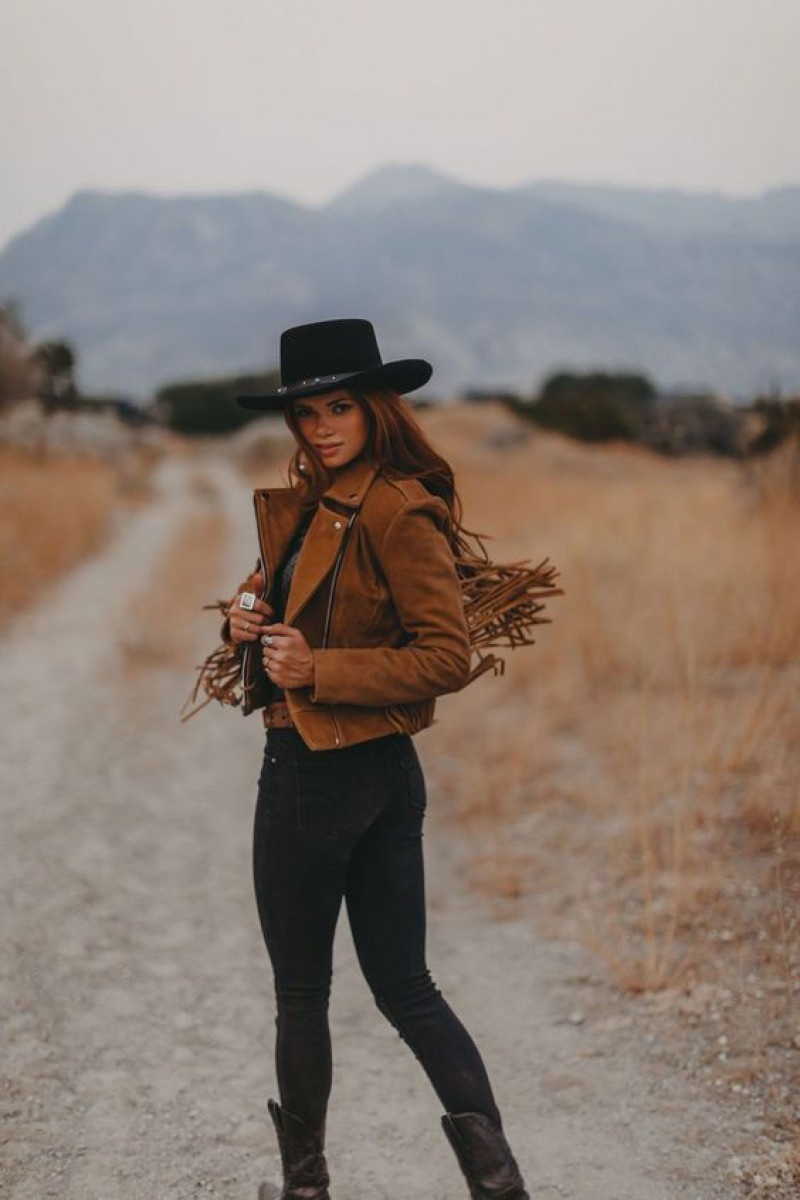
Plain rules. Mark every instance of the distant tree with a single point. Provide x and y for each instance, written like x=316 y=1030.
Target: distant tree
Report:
x=489 y=395
x=208 y=406
x=11 y=316
x=594 y=406
x=777 y=419
x=57 y=361
x=19 y=374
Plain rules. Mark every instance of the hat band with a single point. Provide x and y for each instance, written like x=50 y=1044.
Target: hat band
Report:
x=315 y=379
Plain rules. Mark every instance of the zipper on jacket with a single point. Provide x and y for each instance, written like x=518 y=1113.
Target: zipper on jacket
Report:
x=249 y=645
x=329 y=612
x=336 y=568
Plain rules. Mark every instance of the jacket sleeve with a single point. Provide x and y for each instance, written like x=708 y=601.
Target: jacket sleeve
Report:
x=420 y=571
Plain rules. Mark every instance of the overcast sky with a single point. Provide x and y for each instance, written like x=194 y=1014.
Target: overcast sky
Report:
x=302 y=97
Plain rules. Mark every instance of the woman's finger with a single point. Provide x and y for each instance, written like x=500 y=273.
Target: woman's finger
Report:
x=245 y=627
x=255 y=618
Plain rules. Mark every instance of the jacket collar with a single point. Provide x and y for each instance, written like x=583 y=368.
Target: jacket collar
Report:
x=349 y=486
x=279 y=512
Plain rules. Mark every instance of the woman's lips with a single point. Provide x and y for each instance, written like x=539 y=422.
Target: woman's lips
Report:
x=328 y=449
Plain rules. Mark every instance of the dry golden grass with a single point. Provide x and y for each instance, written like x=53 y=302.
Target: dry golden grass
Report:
x=656 y=722
x=54 y=510
x=775 y=1174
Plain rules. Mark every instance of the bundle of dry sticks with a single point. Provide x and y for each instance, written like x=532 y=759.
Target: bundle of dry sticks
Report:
x=503 y=603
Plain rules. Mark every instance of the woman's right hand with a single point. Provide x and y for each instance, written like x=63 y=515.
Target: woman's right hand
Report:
x=246 y=625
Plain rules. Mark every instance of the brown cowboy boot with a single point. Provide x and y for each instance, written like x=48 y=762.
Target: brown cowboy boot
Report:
x=484 y=1156
x=305 y=1172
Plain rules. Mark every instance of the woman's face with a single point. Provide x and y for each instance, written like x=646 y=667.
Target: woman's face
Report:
x=334 y=424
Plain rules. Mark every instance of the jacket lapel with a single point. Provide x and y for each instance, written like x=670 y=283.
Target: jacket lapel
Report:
x=278 y=515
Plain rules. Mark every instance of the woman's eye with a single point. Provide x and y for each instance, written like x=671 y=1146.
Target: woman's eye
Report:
x=343 y=406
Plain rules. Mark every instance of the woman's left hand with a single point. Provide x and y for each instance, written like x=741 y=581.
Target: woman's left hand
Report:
x=288 y=661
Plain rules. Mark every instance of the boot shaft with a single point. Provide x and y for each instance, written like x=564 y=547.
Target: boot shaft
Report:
x=305 y=1172
x=484 y=1156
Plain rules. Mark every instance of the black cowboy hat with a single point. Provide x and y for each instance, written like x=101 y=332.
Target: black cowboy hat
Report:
x=327 y=355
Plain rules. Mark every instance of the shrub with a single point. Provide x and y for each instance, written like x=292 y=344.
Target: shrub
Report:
x=694 y=423
x=208 y=406
x=595 y=406
x=776 y=419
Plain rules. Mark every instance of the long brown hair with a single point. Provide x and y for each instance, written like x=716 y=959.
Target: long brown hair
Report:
x=397 y=442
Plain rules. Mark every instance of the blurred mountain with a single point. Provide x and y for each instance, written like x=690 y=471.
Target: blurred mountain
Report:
x=773 y=216
x=393 y=185
x=496 y=287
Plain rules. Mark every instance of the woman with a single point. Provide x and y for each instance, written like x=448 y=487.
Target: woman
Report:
x=357 y=627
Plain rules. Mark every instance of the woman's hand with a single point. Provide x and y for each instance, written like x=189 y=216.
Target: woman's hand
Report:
x=247 y=626
x=289 y=661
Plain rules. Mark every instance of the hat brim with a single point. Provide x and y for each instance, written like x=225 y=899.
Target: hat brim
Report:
x=402 y=375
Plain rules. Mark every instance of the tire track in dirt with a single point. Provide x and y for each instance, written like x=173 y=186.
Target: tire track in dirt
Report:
x=137 y=987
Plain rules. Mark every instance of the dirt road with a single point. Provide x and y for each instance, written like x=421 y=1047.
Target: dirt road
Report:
x=136 y=988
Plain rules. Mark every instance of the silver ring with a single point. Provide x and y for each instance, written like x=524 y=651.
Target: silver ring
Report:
x=247 y=600
x=267 y=639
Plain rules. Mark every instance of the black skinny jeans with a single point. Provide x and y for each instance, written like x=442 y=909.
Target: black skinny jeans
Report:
x=348 y=823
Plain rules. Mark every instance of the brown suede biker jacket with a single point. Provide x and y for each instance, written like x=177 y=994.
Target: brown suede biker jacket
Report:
x=376 y=594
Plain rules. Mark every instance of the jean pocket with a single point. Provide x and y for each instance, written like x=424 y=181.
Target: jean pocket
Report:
x=412 y=777
x=277 y=778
